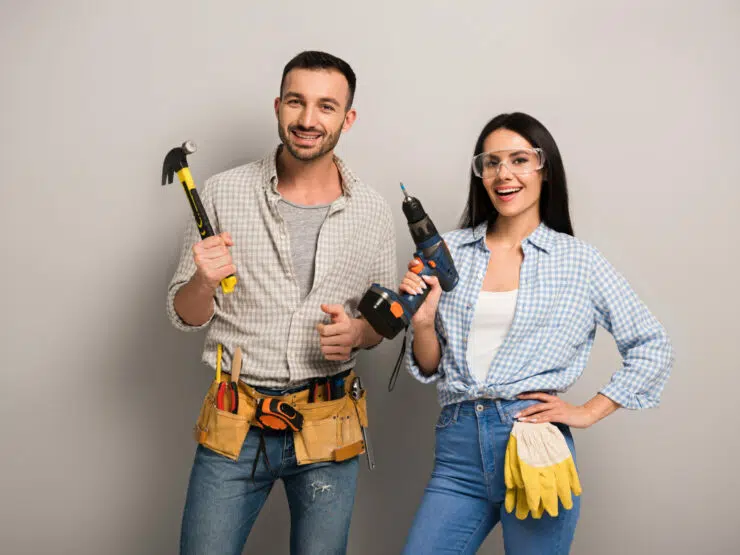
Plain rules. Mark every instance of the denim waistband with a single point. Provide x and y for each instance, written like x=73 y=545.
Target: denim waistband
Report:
x=504 y=408
x=273 y=392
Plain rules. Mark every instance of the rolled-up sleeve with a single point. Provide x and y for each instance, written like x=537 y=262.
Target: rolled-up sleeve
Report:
x=647 y=353
x=186 y=266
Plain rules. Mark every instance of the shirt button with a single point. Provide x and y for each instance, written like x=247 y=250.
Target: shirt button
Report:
x=468 y=307
x=479 y=407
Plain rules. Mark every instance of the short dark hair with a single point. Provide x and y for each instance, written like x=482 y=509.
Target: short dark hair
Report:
x=554 y=196
x=313 y=59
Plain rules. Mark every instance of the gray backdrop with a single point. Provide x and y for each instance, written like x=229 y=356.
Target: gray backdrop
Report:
x=99 y=393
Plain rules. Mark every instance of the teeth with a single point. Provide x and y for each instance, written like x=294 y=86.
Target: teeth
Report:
x=302 y=136
x=504 y=191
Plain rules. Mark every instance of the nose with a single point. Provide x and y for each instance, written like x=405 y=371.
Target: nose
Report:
x=306 y=118
x=504 y=173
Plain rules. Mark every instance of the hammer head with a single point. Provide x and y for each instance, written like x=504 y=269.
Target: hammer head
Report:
x=176 y=160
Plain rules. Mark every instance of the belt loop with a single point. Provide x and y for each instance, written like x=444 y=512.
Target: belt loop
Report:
x=502 y=414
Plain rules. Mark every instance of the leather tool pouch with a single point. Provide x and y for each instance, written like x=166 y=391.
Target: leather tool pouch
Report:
x=220 y=430
x=331 y=430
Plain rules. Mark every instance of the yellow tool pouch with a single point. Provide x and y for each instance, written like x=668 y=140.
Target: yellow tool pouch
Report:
x=332 y=430
x=220 y=430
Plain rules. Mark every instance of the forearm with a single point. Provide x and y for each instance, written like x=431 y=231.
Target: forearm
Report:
x=427 y=351
x=194 y=302
x=600 y=406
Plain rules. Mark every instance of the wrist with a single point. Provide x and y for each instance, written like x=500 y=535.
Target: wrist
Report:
x=358 y=332
x=591 y=415
x=201 y=285
x=423 y=326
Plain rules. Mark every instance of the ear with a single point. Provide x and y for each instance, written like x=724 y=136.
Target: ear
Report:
x=277 y=105
x=349 y=119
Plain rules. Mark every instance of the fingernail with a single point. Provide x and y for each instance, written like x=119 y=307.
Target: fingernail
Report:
x=517 y=415
x=420 y=291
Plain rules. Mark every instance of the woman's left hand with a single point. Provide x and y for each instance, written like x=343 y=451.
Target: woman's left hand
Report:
x=554 y=409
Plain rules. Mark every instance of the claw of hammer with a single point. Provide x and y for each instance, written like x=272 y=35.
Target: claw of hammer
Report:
x=176 y=160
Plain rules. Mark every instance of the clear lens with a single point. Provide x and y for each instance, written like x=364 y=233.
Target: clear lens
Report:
x=517 y=161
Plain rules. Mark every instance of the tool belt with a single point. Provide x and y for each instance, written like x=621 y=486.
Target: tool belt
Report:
x=330 y=430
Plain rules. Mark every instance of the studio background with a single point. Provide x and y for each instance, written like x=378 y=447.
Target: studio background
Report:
x=100 y=393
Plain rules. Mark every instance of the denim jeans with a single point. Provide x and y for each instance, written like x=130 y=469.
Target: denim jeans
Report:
x=223 y=500
x=464 y=498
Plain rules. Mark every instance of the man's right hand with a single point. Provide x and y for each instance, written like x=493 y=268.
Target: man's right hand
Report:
x=213 y=260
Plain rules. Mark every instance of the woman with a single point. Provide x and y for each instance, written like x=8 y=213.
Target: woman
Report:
x=516 y=330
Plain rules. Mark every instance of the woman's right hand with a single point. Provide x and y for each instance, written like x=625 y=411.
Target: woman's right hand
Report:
x=413 y=284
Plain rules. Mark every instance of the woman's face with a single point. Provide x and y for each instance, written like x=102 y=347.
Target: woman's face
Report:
x=513 y=195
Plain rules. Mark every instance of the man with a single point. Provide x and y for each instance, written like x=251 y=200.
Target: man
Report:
x=305 y=238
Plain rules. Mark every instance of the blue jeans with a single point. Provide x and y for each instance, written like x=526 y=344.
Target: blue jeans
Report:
x=223 y=501
x=464 y=498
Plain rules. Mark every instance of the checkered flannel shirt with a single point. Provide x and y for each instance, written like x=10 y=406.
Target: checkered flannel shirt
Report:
x=265 y=315
x=566 y=288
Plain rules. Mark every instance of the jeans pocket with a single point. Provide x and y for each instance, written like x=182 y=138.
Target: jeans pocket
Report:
x=446 y=417
x=510 y=408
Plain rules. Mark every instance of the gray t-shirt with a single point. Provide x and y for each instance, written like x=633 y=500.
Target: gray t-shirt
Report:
x=304 y=224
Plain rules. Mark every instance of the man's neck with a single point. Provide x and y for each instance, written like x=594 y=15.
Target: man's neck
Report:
x=314 y=182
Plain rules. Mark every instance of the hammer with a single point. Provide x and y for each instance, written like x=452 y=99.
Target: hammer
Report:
x=176 y=162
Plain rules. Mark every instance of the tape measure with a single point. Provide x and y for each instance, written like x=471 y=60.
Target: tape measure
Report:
x=274 y=414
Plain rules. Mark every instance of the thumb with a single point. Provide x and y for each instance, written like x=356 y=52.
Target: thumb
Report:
x=226 y=236
x=336 y=311
x=435 y=291
x=433 y=281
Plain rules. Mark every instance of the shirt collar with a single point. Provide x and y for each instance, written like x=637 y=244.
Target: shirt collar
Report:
x=270 y=177
x=542 y=237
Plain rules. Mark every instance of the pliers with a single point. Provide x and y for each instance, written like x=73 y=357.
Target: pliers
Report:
x=230 y=386
x=233 y=397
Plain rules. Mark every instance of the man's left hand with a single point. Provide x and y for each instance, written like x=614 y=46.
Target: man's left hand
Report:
x=340 y=336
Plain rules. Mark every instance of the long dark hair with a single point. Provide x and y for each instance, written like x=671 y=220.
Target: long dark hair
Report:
x=554 y=197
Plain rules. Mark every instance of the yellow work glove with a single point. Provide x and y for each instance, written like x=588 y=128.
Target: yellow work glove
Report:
x=538 y=470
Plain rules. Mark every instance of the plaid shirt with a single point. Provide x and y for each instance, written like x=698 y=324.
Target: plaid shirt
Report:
x=566 y=288
x=266 y=315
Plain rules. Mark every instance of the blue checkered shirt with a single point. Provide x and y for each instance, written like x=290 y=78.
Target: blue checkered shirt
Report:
x=566 y=288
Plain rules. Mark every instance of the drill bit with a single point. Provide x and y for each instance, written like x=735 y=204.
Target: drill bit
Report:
x=405 y=193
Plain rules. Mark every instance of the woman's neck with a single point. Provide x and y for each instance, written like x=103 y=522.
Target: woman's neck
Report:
x=511 y=231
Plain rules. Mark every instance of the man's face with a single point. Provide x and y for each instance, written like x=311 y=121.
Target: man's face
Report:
x=312 y=112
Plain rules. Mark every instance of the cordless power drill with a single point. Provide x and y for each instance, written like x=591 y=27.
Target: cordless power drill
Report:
x=389 y=312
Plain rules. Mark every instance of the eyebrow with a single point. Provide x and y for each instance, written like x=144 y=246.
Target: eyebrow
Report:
x=329 y=100
x=325 y=99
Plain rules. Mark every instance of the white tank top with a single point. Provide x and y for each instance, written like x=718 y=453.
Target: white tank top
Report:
x=494 y=313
